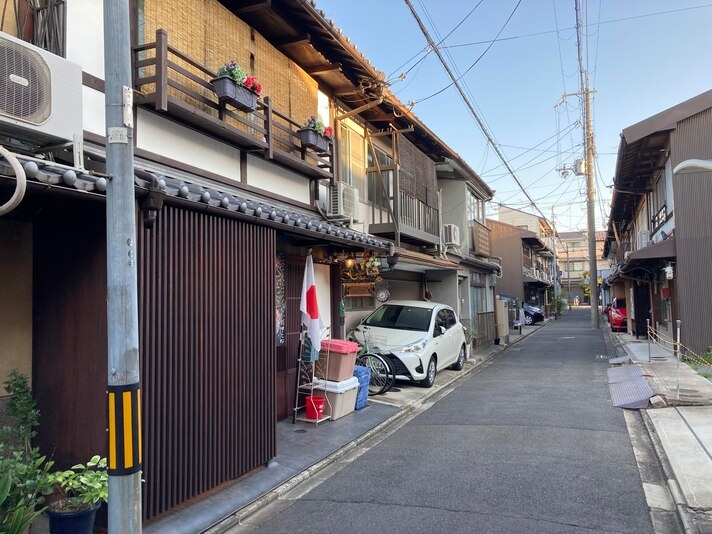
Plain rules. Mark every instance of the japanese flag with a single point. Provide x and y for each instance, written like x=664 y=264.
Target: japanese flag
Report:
x=309 y=306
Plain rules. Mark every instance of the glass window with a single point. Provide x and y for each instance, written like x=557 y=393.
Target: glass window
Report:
x=475 y=208
x=656 y=199
x=352 y=159
x=400 y=317
x=379 y=178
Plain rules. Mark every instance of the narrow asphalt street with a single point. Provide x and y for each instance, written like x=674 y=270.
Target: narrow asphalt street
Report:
x=528 y=443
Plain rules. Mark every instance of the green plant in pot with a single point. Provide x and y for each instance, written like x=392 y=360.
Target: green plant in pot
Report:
x=83 y=488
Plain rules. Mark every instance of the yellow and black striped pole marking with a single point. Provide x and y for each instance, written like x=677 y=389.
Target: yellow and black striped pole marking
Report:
x=124 y=429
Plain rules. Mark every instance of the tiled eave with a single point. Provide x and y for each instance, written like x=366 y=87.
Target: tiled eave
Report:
x=153 y=190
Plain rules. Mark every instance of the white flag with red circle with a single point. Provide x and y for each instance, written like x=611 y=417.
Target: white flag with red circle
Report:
x=309 y=306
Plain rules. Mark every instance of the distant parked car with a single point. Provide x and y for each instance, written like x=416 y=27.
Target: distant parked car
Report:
x=617 y=314
x=418 y=338
x=532 y=314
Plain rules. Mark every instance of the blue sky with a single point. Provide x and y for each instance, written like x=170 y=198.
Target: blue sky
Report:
x=642 y=56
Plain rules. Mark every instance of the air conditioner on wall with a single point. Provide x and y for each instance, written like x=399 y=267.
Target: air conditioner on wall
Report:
x=451 y=235
x=40 y=95
x=344 y=202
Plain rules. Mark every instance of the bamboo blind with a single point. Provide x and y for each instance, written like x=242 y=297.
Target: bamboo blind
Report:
x=211 y=34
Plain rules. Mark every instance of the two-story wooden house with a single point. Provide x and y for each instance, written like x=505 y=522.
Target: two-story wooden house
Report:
x=526 y=264
x=229 y=201
x=466 y=239
x=658 y=236
x=525 y=243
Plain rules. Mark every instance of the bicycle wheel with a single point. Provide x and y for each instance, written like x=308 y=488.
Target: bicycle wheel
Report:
x=391 y=373
x=380 y=373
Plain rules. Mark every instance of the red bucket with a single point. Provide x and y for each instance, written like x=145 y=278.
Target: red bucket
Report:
x=315 y=407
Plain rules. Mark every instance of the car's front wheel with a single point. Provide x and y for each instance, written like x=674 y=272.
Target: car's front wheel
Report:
x=460 y=363
x=429 y=379
x=528 y=319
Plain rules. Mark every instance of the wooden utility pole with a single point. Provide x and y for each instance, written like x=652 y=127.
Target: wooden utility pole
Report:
x=591 y=212
x=590 y=175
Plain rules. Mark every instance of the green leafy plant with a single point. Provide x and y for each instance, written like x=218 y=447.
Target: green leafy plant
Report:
x=25 y=472
x=83 y=486
x=317 y=125
x=17 y=518
x=232 y=70
x=22 y=408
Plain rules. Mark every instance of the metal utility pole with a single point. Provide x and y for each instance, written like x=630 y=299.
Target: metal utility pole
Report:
x=590 y=183
x=123 y=392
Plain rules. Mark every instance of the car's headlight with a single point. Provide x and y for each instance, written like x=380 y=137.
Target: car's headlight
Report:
x=418 y=346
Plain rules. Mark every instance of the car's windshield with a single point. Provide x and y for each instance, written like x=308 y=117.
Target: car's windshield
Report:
x=400 y=317
x=619 y=304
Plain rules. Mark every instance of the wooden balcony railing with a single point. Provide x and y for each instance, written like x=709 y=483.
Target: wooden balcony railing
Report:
x=416 y=214
x=179 y=86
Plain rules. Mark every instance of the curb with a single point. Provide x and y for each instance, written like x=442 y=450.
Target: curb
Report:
x=673 y=487
x=619 y=348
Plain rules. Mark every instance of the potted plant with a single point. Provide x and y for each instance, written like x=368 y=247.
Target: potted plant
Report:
x=315 y=135
x=234 y=86
x=83 y=488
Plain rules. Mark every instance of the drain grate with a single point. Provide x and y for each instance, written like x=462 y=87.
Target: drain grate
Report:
x=603 y=357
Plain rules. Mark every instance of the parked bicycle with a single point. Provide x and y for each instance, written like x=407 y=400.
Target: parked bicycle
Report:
x=382 y=375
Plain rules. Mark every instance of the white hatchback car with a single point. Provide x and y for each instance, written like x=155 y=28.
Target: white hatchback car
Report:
x=419 y=338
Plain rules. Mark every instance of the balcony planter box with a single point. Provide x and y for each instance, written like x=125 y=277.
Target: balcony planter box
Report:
x=312 y=139
x=236 y=95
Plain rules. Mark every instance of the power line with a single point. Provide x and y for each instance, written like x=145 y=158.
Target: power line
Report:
x=558 y=30
x=469 y=105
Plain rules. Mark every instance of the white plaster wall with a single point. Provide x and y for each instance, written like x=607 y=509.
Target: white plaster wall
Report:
x=171 y=140
x=85 y=35
x=267 y=176
x=323 y=294
x=94 y=111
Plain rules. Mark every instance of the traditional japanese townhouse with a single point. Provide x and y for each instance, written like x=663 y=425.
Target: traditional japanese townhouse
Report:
x=229 y=201
x=466 y=238
x=658 y=235
x=526 y=263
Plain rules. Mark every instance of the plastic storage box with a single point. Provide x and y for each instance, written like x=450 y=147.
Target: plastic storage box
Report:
x=336 y=360
x=341 y=396
x=364 y=376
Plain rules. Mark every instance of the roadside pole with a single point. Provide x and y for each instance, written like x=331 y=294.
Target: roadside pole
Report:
x=123 y=394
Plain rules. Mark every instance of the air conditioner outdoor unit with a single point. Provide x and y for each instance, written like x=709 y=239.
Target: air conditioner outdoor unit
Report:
x=40 y=95
x=344 y=202
x=451 y=235
x=643 y=239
